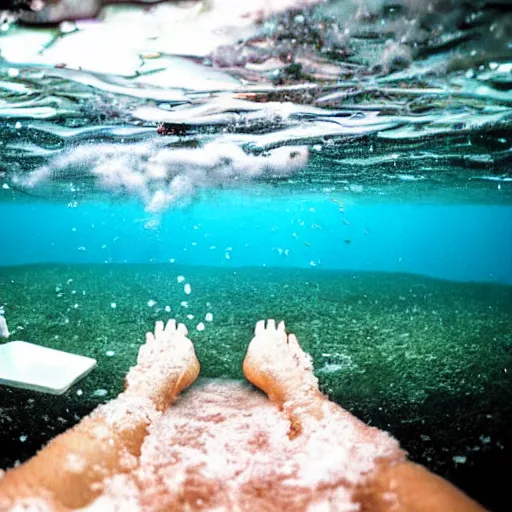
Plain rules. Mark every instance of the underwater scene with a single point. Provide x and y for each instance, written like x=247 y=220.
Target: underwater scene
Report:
x=343 y=166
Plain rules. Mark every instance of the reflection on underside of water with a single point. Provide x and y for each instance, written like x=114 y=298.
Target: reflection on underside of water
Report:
x=366 y=97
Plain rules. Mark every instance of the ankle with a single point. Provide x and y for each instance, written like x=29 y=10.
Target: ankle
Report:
x=305 y=392
x=304 y=401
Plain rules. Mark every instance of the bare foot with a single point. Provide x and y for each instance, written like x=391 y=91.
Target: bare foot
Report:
x=166 y=365
x=277 y=365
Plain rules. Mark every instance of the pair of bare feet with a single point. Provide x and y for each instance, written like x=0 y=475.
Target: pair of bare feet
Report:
x=71 y=469
x=275 y=363
x=374 y=470
x=317 y=455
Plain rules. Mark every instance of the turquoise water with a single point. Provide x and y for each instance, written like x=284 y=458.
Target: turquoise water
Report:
x=461 y=242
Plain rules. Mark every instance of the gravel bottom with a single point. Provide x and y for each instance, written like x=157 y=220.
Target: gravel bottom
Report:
x=428 y=360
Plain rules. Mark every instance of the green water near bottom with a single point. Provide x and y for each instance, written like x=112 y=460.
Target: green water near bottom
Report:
x=428 y=360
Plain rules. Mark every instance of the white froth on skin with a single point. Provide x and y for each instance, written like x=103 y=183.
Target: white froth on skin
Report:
x=75 y=463
x=127 y=412
x=161 y=176
x=32 y=505
x=227 y=447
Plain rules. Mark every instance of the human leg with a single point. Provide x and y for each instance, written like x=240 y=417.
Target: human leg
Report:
x=71 y=468
x=277 y=365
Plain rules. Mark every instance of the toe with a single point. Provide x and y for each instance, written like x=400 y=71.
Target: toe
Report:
x=159 y=328
x=150 y=338
x=171 y=326
x=292 y=341
x=271 y=325
x=260 y=328
x=143 y=351
x=303 y=359
x=281 y=327
x=182 y=329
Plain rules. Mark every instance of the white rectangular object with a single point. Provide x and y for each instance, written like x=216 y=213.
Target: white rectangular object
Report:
x=28 y=366
x=4 y=330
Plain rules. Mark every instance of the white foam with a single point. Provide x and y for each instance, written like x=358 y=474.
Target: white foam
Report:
x=162 y=176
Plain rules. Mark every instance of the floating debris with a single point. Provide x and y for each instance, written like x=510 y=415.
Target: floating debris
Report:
x=4 y=331
x=331 y=368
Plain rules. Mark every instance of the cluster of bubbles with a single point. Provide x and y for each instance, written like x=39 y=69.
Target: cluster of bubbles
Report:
x=162 y=176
